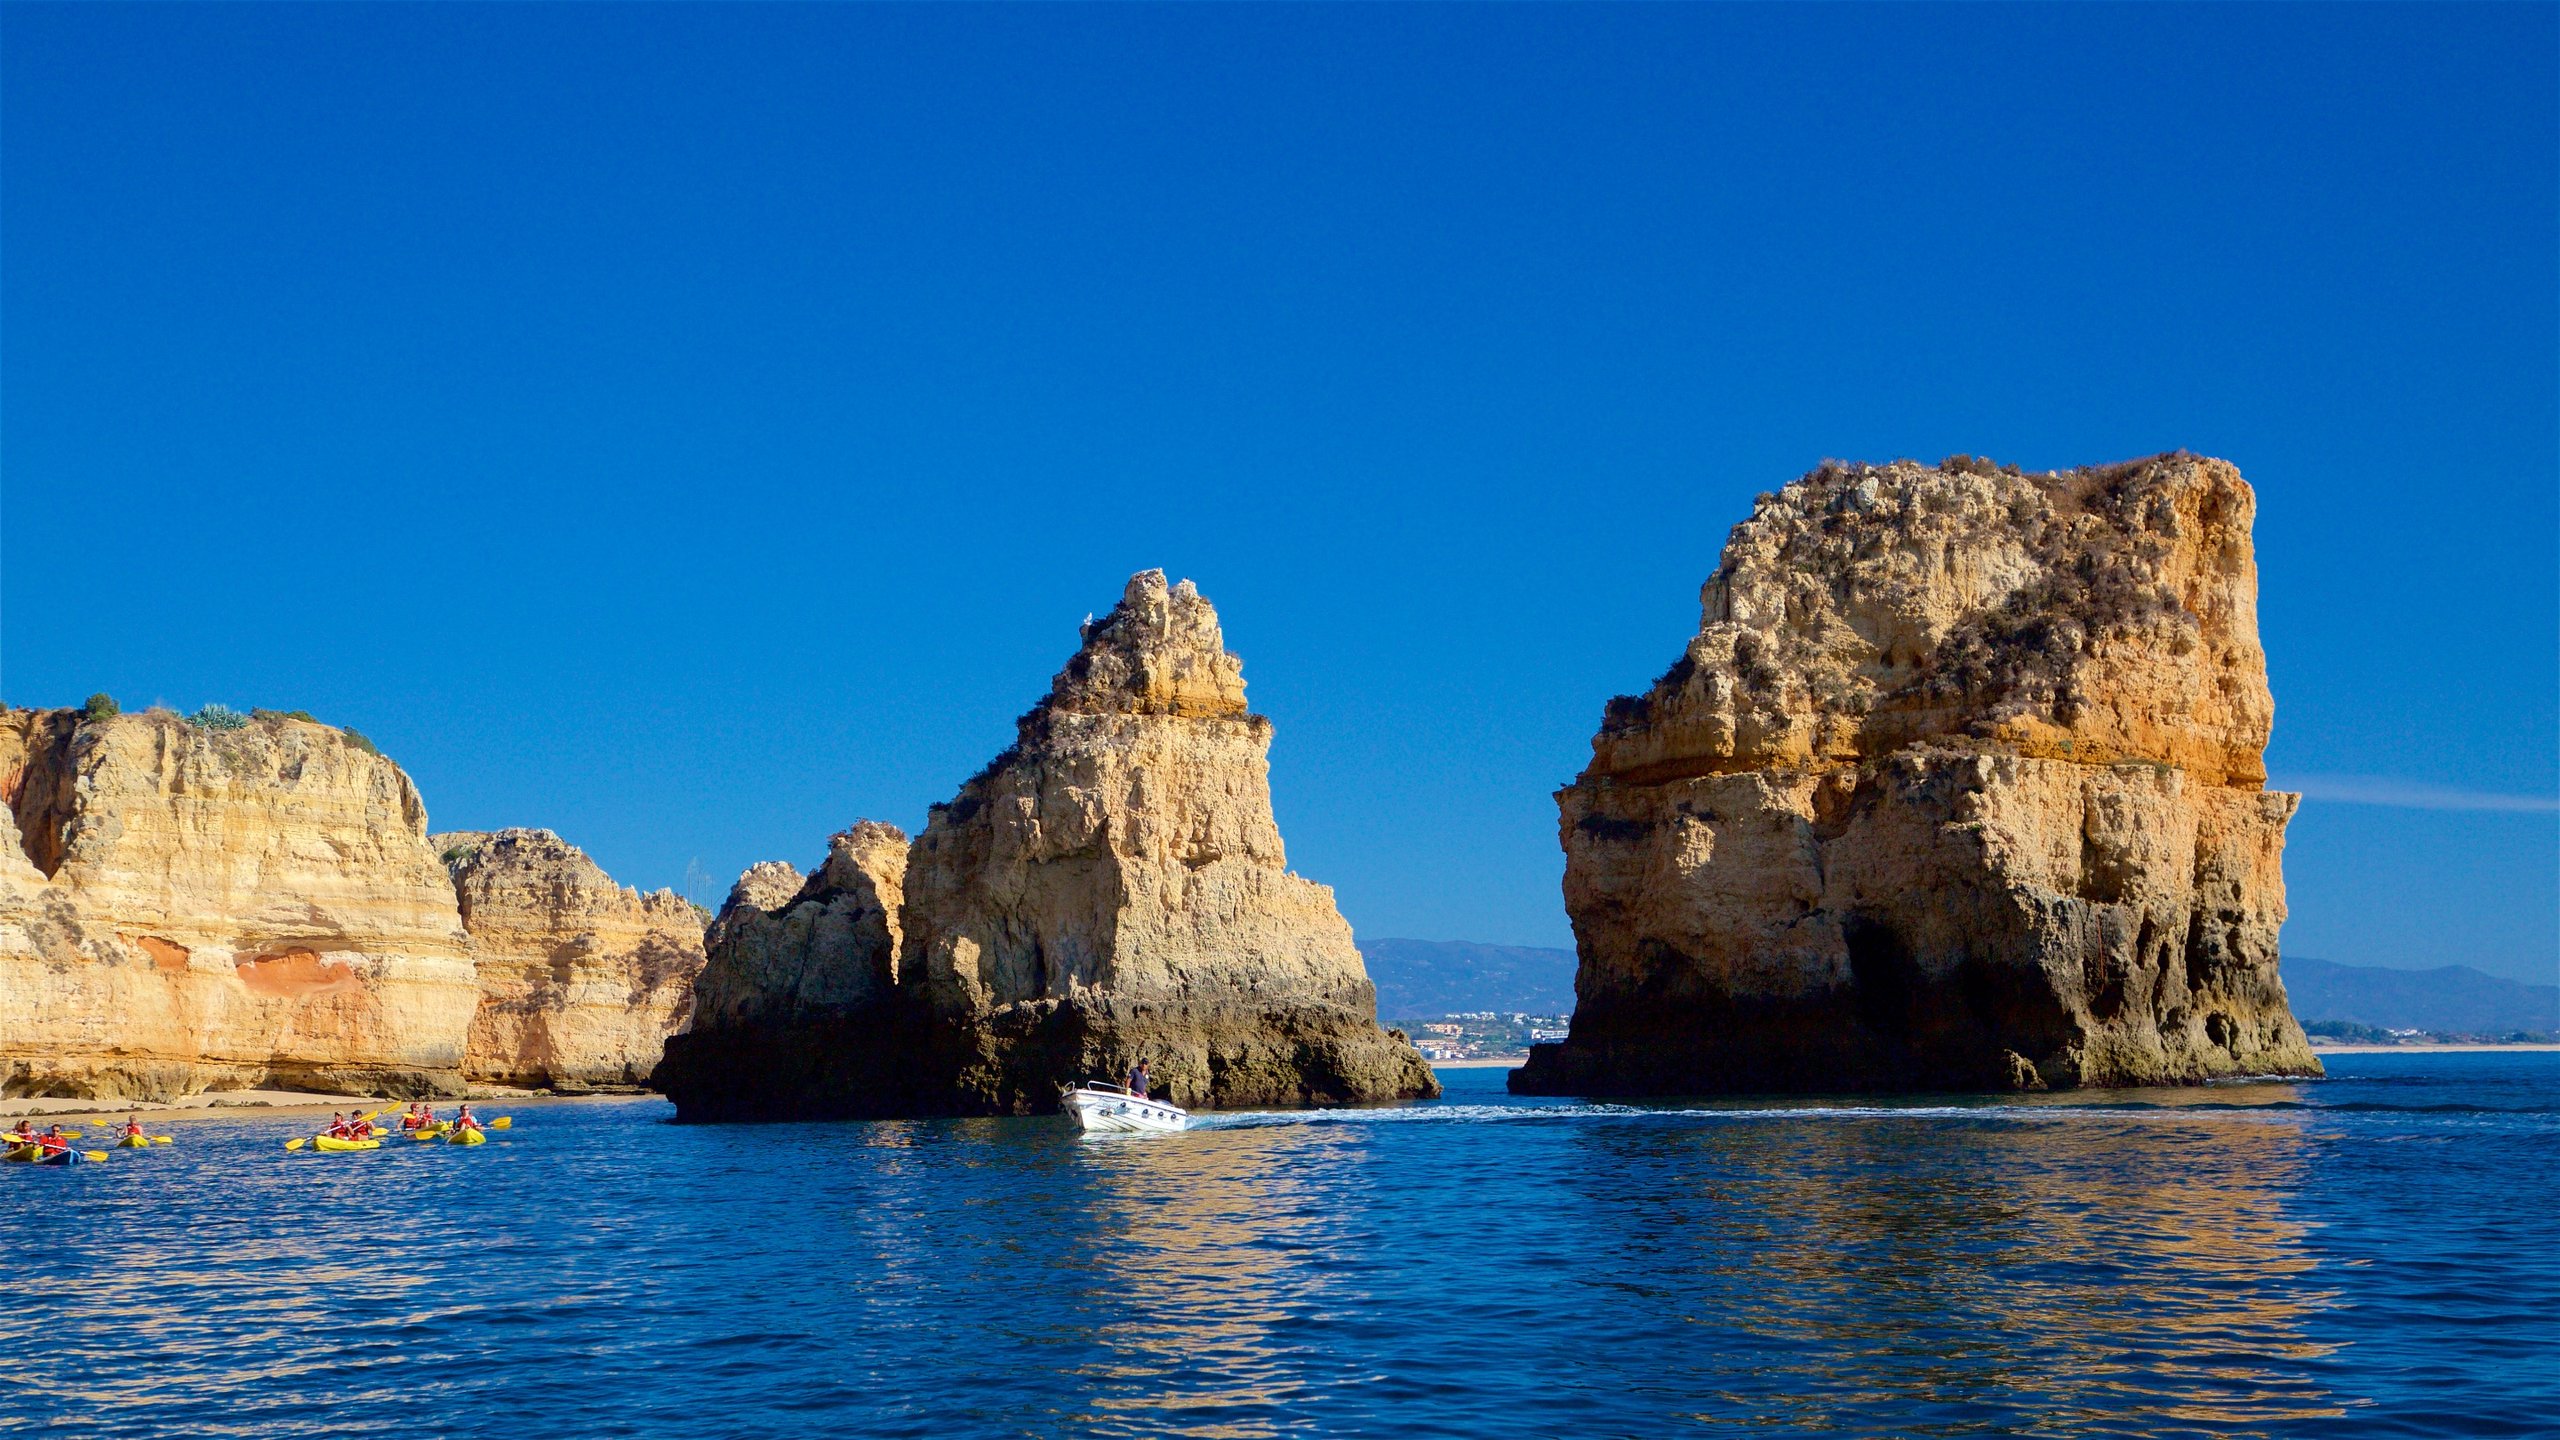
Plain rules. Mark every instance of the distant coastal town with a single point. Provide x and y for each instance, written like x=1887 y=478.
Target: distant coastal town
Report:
x=1483 y=1035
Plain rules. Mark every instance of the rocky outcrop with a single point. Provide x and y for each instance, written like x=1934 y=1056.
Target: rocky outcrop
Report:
x=798 y=1012
x=1112 y=888
x=784 y=948
x=186 y=907
x=1960 y=785
x=581 y=980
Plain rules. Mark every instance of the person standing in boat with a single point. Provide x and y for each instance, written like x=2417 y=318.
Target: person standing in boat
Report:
x=1139 y=1080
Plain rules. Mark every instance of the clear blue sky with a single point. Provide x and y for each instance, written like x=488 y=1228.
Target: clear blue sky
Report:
x=693 y=428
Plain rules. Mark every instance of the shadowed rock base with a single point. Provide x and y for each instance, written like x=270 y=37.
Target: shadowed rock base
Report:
x=898 y=1060
x=1980 y=1033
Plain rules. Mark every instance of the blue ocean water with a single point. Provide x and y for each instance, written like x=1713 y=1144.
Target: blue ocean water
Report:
x=2374 y=1254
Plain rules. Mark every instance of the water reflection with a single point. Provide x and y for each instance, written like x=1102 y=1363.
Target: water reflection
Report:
x=1196 y=1252
x=2125 y=1275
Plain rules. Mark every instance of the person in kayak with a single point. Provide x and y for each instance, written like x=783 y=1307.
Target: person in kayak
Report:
x=463 y=1119
x=25 y=1134
x=337 y=1124
x=53 y=1141
x=132 y=1128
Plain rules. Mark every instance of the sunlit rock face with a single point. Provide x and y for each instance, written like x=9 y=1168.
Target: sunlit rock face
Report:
x=184 y=908
x=581 y=980
x=1960 y=785
x=1111 y=889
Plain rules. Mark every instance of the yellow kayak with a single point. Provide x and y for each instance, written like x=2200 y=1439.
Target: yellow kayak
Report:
x=332 y=1142
x=466 y=1137
x=132 y=1142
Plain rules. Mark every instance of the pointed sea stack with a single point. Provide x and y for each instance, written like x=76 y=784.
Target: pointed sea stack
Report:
x=1109 y=890
x=1959 y=786
x=1113 y=889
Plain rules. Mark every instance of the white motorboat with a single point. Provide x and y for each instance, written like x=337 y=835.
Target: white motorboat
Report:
x=1118 y=1109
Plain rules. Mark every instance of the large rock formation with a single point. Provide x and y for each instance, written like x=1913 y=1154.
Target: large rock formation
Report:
x=185 y=907
x=1114 y=887
x=1111 y=888
x=1960 y=785
x=581 y=980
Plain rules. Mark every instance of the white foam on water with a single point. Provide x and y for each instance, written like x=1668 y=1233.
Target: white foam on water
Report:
x=1594 y=1110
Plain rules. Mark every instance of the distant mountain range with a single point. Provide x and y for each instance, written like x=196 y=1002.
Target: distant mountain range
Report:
x=1418 y=979
x=2451 y=999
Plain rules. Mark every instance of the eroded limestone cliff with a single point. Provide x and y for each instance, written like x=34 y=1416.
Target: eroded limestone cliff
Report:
x=581 y=980
x=184 y=908
x=1959 y=785
x=1111 y=888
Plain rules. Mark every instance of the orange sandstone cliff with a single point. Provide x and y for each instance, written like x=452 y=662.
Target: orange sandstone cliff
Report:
x=255 y=901
x=1959 y=785
x=186 y=908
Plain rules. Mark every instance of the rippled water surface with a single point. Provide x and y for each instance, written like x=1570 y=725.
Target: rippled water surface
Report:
x=2376 y=1254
